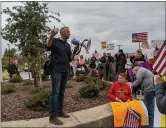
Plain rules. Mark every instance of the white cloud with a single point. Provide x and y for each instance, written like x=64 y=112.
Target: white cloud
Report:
x=110 y=21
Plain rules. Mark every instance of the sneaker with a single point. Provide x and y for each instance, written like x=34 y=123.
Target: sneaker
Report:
x=55 y=121
x=63 y=115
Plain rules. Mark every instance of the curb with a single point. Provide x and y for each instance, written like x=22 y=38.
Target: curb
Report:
x=100 y=116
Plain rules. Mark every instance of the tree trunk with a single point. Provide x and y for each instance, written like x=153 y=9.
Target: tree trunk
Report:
x=36 y=64
x=29 y=70
x=40 y=78
x=35 y=75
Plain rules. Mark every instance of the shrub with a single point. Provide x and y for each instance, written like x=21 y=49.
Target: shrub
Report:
x=4 y=67
x=81 y=78
x=34 y=90
x=88 y=91
x=103 y=85
x=39 y=101
x=5 y=75
x=90 y=79
x=87 y=80
x=96 y=82
x=15 y=79
x=9 y=88
x=69 y=84
x=27 y=82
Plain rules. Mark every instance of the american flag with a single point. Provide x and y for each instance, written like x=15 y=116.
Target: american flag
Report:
x=145 y=45
x=132 y=119
x=140 y=37
x=159 y=64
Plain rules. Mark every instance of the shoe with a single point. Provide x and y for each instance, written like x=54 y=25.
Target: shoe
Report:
x=63 y=115
x=55 y=121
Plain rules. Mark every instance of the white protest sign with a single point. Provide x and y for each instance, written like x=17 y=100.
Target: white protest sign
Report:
x=111 y=46
x=157 y=43
x=149 y=53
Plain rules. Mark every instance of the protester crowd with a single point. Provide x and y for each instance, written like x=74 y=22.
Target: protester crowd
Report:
x=122 y=61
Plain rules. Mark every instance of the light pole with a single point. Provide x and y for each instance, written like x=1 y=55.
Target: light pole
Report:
x=119 y=46
x=9 y=52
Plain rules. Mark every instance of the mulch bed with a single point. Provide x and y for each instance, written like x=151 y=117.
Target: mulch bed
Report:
x=12 y=105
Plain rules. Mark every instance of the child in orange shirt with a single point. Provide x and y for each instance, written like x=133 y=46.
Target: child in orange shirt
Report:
x=120 y=90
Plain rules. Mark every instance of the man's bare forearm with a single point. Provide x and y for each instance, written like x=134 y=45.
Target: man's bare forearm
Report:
x=49 y=42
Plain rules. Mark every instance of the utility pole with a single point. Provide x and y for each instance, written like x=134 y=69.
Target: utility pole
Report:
x=119 y=46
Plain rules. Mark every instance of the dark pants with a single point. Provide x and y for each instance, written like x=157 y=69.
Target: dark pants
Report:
x=59 y=81
x=149 y=103
x=11 y=75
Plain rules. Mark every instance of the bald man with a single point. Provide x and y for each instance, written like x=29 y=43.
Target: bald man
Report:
x=61 y=56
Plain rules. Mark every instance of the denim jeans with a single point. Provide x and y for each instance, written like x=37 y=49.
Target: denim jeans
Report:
x=59 y=81
x=149 y=99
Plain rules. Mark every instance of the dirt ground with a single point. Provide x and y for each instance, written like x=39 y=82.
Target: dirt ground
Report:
x=12 y=105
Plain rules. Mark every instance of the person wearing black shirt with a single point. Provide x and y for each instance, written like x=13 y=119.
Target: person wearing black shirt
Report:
x=93 y=62
x=110 y=58
x=138 y=58
x=61 y=56
x=103 y=59
x=120 y=59
x=12 y=69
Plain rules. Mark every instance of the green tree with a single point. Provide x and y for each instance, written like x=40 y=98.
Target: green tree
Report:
x=27 y=29
x=12 y=52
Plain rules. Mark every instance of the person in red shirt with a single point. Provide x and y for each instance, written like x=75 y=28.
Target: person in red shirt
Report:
x=120 y=90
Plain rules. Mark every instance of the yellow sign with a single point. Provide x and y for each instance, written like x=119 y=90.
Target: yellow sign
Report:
x=163 y=121
x=104 y=44
x=164 y=78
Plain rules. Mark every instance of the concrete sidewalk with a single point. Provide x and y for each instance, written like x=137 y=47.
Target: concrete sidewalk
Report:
x=100 y=116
